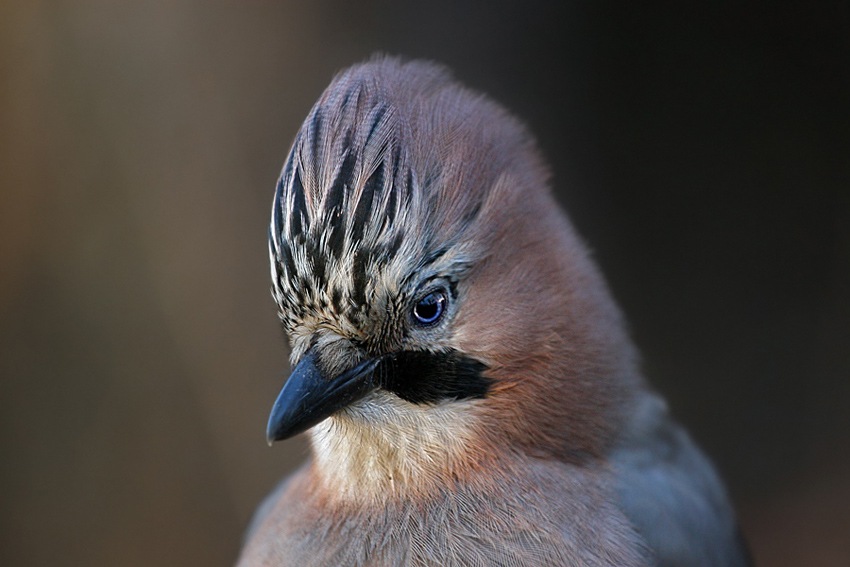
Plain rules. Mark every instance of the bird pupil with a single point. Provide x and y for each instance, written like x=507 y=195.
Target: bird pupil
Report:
x=430 y=308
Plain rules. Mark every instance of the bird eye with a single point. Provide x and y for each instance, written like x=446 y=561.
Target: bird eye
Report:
x=430 y=308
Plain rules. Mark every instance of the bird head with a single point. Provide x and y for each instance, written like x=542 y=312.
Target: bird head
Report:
x=441 y=310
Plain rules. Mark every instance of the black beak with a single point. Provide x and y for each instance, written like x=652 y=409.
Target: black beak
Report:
x=309 y=396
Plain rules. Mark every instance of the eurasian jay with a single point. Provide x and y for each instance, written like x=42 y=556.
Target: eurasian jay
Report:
x=470 y=390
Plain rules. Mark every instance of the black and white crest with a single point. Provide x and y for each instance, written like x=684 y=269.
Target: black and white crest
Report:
x=336 y=206
x=367 y=200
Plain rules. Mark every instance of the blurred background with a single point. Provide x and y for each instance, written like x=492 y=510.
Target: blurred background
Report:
x=703 y=152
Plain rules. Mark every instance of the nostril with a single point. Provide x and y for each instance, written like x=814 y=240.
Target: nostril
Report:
x=336 y=353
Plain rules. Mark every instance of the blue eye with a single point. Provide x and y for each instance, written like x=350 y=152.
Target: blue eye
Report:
x=430 y=308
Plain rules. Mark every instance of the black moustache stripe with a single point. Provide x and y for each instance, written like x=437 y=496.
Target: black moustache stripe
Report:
x=422 y=377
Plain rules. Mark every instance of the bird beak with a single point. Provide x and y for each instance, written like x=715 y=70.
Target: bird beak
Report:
x=309 y=396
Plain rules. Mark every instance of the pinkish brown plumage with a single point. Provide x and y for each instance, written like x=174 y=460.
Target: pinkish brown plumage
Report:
x=471 y=392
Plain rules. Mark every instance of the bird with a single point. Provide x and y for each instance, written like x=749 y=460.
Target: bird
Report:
x=470 y=390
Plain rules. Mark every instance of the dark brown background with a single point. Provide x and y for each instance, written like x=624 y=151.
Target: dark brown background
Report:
x=703 y=153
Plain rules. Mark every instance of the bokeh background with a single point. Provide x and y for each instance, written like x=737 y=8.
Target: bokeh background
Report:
x=703 y=151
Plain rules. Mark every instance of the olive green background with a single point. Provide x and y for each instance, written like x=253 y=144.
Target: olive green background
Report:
x=702 y=152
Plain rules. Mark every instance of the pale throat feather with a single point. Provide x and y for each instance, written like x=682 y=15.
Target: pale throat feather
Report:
x=385 y=447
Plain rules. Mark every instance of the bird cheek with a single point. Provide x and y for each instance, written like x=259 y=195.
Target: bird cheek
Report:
x=491 y=330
